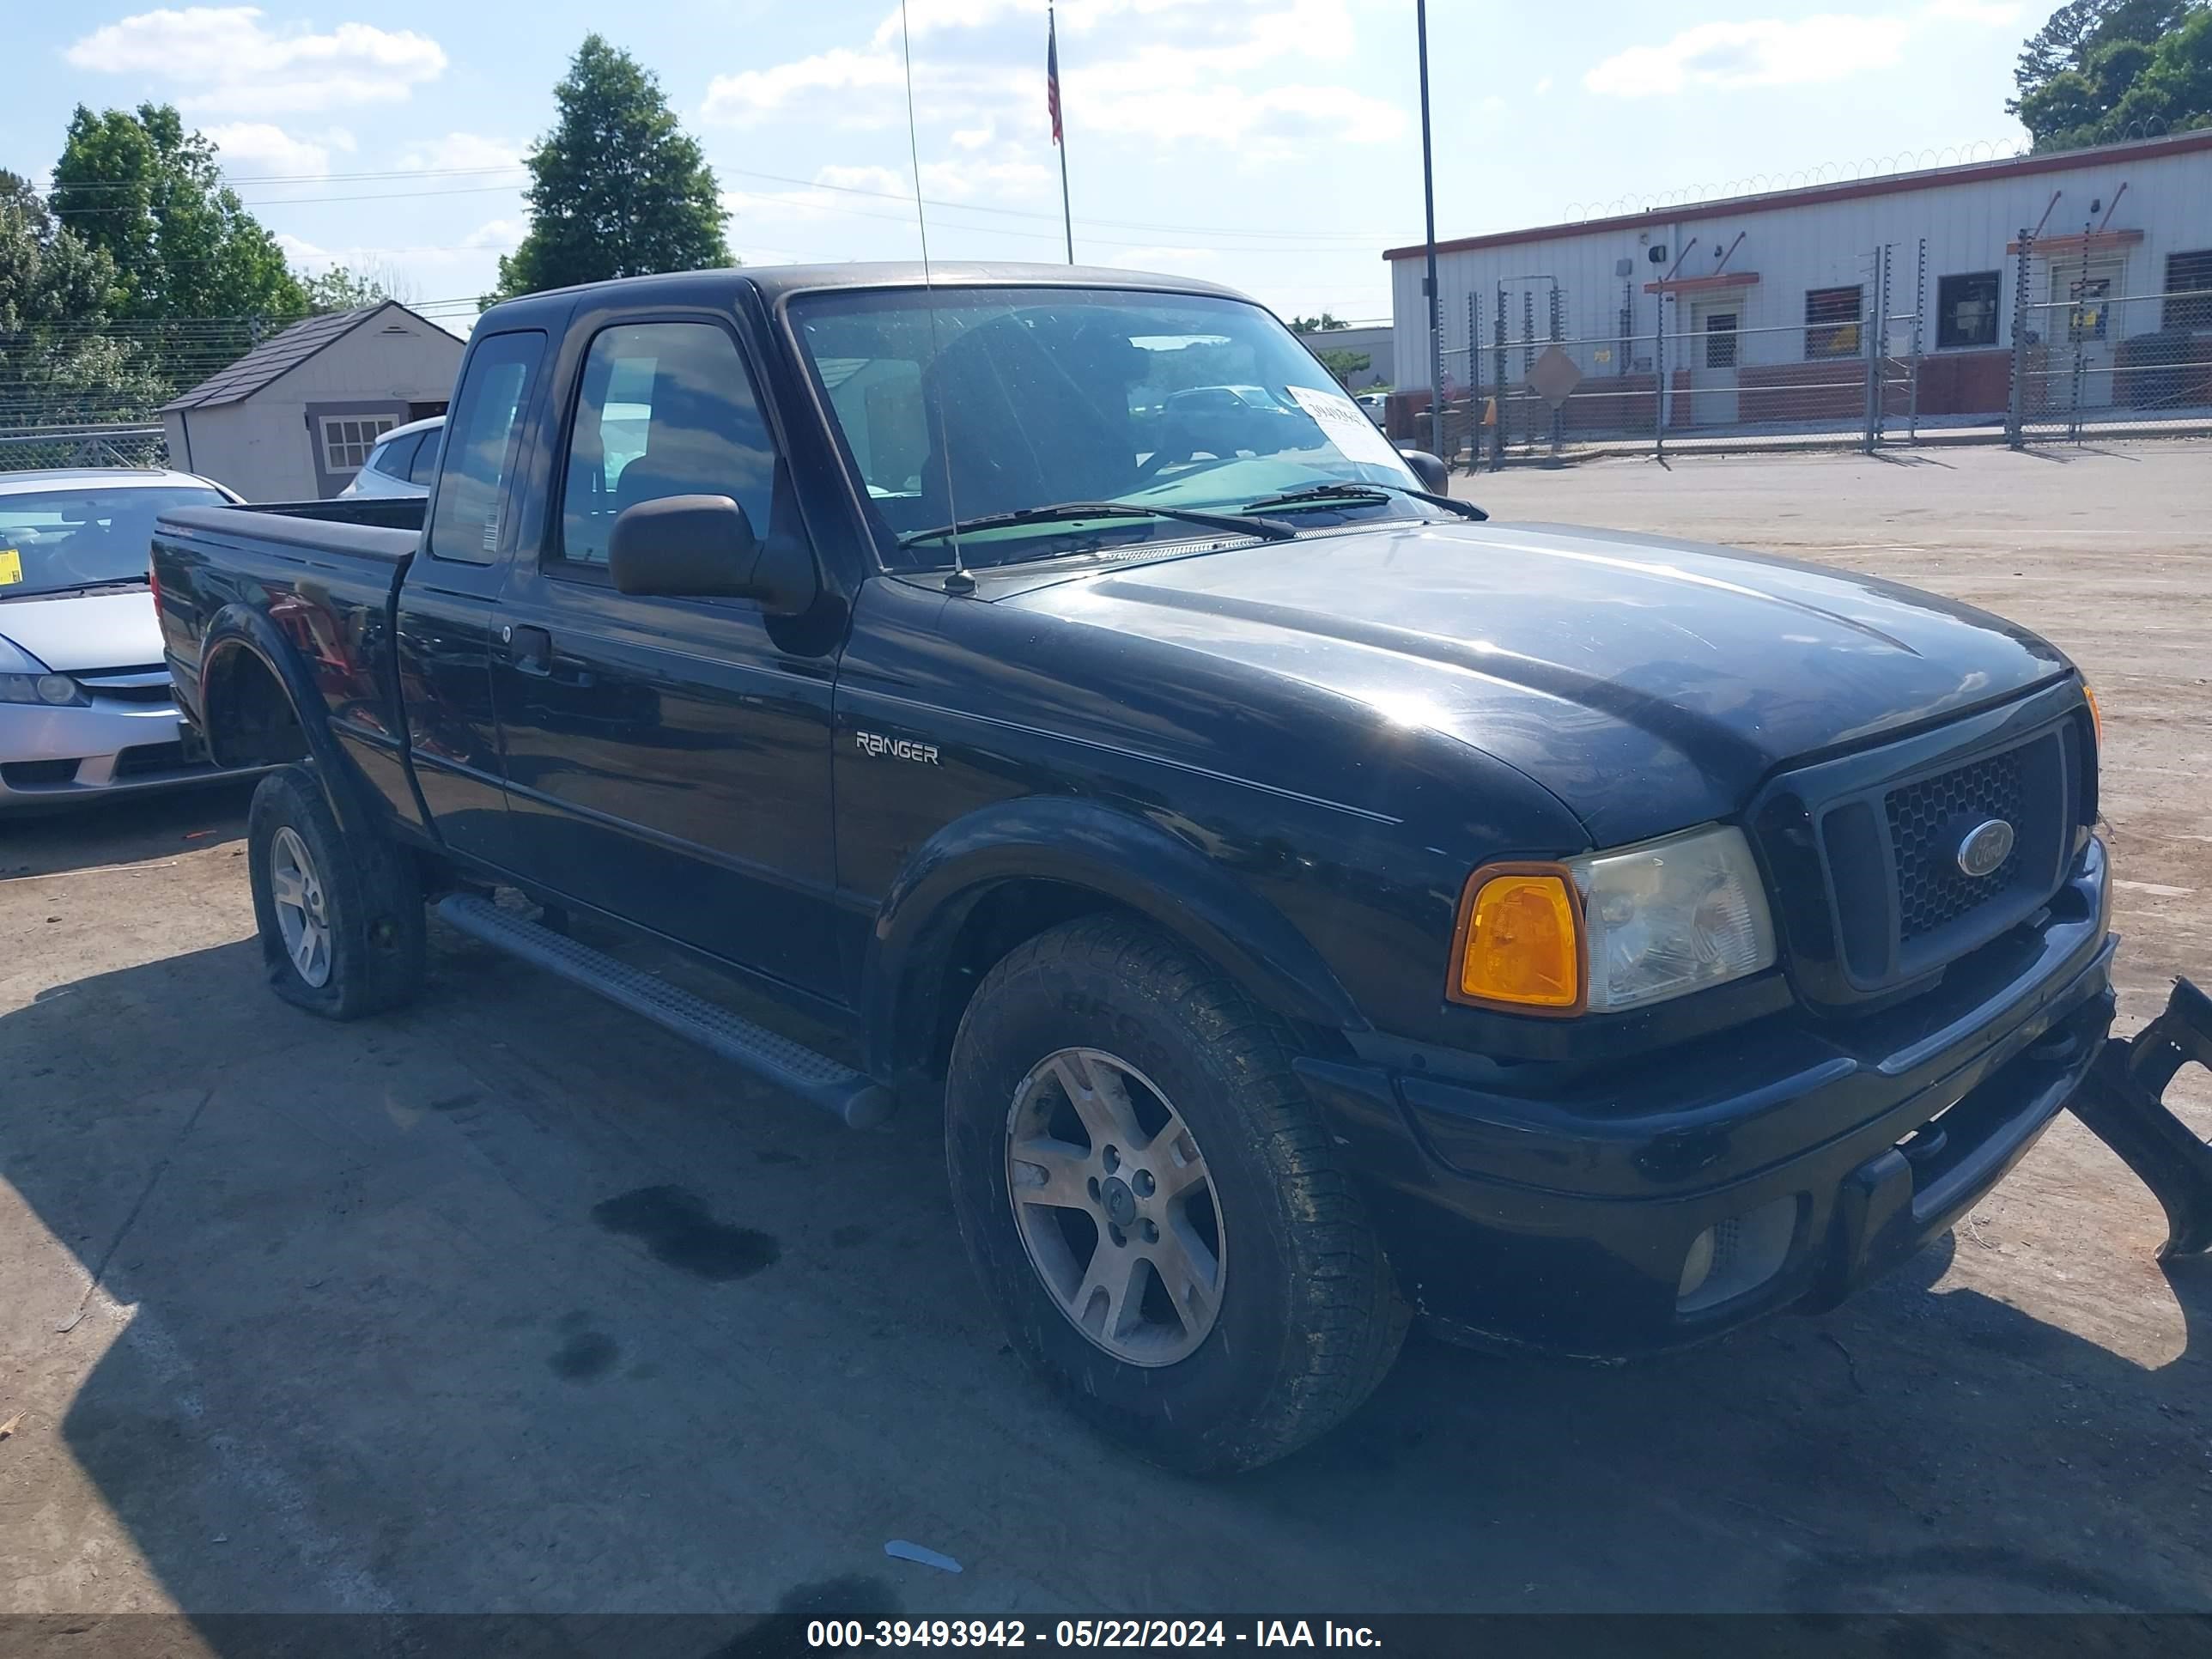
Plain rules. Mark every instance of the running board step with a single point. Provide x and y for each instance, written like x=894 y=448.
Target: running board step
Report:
x=860 y=1101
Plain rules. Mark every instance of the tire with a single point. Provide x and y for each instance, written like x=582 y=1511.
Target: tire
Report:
x=1289 y=1315
x=364 y=895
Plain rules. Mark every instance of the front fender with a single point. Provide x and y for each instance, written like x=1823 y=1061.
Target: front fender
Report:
x=240 y=628
x=1126 y=860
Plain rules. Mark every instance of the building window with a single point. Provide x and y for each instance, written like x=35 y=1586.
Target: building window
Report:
x=346 y=442
x=2189 y=289
x=1832 y=321
x=1966 y=310
x=1720 y=339
x=2090 y=317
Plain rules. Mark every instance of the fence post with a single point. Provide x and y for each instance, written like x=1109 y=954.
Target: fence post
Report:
x=1870 y=338
x=2016 y=398
x=1659 y=380
x=1919 y=317
x=1474 y=381
x=1498 y=430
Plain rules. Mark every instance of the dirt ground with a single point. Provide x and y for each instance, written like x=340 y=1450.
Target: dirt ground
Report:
x=299 y=1317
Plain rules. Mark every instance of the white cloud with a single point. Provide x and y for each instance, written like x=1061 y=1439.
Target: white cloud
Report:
x=461 y=152
x=226 y=58
x=751 y=95
x=303 y=255
x=1992 y=14
x=954 y=181
x=881 y=180
x=501 y=234
x=1543 y=86
x=255 y=147
x=972 y=138
x=1761 y=53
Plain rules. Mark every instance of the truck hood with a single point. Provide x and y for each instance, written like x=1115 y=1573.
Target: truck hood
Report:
x=73 y=633
x=1648 y=683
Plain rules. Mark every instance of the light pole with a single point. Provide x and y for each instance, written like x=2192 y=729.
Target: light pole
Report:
x=1429 y=285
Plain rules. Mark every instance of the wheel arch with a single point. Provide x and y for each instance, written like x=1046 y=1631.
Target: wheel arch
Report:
x=259 y=706
x=985 y=883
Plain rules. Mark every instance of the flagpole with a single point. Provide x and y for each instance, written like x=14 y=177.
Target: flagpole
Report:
x=1060 y=124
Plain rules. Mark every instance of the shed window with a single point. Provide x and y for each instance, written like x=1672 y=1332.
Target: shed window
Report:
x=348 y=440
x=1966 y=310
x=1832 y=321
x=2189 y=289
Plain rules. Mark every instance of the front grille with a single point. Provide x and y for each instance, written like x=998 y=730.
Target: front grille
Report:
x=1929 y=819
x=37 y=774
x=127 y=685
x=147 y=757
x=1900 y=905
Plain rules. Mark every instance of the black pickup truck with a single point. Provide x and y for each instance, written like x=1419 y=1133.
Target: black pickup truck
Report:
x=1313 y=906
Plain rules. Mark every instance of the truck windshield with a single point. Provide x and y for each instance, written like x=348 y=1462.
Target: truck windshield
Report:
x=55 y=540
x=961 y=404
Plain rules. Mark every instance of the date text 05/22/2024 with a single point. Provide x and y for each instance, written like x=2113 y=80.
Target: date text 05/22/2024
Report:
x=1077 y=1634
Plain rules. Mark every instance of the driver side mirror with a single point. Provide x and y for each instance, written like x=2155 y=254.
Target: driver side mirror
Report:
x=1435 y=475
x=704 y=547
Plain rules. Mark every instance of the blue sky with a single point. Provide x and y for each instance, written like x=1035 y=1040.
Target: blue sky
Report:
x=1271 y=144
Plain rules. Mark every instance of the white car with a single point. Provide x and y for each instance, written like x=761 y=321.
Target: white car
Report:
x=86 y=709
x=403 y=462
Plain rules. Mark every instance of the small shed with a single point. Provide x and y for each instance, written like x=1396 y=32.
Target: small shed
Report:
x=293 y=418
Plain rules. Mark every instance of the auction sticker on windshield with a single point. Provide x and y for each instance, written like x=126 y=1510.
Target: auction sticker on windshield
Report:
x=1346 y=425
x=11 y=567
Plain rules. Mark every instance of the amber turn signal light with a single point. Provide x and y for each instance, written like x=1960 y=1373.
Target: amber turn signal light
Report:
x=2096 y=715
x=1519 y=942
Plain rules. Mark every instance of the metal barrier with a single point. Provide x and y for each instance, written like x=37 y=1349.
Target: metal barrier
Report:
x=2085 y=357
x=25 y=449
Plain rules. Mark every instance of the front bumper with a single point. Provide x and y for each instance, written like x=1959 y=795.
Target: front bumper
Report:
x=53 y=755
x=1562 y=1218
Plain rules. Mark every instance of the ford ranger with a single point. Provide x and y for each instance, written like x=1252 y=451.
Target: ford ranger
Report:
x=1312 y=906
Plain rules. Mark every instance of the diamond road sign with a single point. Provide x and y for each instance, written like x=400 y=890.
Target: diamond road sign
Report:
x=1554 y=376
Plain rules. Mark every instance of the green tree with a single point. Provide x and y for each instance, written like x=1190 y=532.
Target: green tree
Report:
x=618 y=188
x=139 y=188
x=1322 y=325
x=58 y=361
x=1345 y=364
x=2101 y=71
x=342 y=288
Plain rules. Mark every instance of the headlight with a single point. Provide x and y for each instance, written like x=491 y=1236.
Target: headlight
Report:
x=1614 y=930
x=24 y=679
x=1672 y=916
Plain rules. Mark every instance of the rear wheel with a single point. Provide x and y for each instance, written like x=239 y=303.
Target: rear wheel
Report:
x=1151 y=1197
x=340 y=917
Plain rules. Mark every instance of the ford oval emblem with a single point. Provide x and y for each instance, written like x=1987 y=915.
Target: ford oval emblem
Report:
x=1986 y=847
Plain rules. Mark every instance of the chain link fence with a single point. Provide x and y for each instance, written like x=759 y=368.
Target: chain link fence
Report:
x=1864 y=369
x=83 y=445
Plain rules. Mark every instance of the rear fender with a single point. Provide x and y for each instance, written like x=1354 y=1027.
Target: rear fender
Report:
x=241 y=628
x=1122 y=860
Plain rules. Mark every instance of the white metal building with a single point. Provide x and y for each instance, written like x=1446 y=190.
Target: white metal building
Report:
x=1746 y=297
x=293 y=418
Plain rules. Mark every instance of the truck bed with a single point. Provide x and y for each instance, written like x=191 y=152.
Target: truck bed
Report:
x=321 y=575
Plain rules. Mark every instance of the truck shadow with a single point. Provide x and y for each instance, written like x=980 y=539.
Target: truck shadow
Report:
x=502 y=1304
x=131 y=831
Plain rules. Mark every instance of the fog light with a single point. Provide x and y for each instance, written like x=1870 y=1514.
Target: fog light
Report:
x=1734 y=1257
x=58 y=690
x=1697 y=1265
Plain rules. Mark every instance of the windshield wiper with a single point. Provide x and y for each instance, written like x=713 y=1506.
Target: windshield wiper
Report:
x=1272 y=529
x=1349 y=491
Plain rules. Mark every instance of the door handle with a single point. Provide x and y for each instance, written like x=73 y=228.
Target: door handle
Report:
x=529 y=649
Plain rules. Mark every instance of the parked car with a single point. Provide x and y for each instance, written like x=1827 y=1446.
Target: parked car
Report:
x=86 y=709
x=1377 y=403
x=1312 y=906
x=402 y=463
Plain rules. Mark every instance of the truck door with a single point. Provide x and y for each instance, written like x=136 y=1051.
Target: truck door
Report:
x=444 y=642
x=667 y=759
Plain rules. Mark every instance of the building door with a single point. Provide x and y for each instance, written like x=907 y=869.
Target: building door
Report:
x=1712 y=348
x=2089 y=323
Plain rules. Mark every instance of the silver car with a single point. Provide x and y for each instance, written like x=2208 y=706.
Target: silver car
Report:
x=86 y=709
x=403 y=462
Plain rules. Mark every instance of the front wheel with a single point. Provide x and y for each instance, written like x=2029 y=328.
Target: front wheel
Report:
x=340 y=917
x=1152 y=1199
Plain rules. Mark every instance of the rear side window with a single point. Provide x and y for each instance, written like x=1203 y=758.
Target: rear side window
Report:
x=392 y=456
x=425 y=466
x=483 y=439
x=666 y=409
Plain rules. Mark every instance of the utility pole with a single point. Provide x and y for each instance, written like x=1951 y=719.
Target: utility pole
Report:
x=1429 y=288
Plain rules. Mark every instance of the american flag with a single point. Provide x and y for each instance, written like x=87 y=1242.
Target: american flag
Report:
x=1052 y=73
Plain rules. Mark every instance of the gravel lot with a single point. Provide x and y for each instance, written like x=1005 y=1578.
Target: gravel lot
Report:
x=367 y=1334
